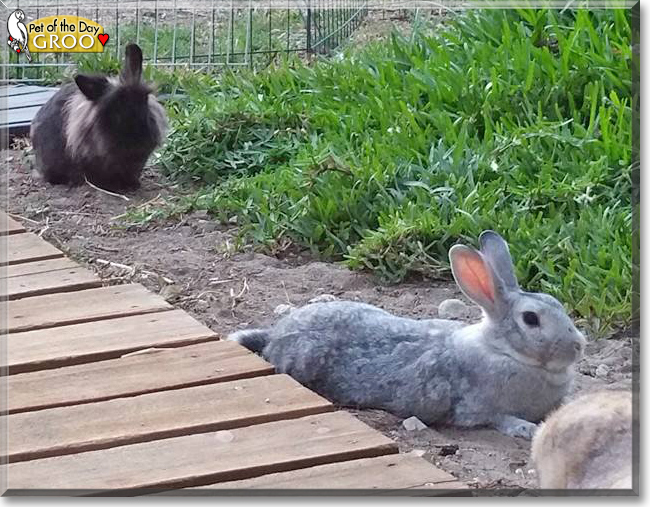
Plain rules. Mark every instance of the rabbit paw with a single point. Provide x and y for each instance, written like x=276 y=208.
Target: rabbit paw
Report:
x=515 y=427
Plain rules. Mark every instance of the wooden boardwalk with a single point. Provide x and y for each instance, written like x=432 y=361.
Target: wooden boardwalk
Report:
x=113 y=391
x=19 y=104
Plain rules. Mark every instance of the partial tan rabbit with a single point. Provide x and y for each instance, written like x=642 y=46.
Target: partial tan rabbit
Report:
x=586 y=444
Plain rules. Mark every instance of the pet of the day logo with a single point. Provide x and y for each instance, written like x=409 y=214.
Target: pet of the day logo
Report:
x=55 y=34
x=18 y=36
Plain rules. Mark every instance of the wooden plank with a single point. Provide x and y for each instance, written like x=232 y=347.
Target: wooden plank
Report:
x=21 y=116
x=15 y=90
x=99 y=340
x=28 y=247
x=391 y=472
x=38 y=98
x=82 y=306
x=201 y=459
x=21 y=105
x=164 y=369
x=9 y=226
x=49 y=282
x=32 y=268
x=69 y=430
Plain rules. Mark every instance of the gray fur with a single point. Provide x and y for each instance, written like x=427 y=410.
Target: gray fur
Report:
x=99 y=128
x=253 y=339
x=497 y=373
x=497 y=254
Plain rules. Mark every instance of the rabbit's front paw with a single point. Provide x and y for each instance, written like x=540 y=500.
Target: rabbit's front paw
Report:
x=515 y=427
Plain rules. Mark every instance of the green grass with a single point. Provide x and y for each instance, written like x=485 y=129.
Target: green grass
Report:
x=518 y=121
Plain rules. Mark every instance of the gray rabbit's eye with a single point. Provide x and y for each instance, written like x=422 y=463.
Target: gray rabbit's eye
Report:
x=531 y=319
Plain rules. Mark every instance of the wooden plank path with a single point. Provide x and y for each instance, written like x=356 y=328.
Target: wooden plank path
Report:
x=20 y=105
x=110 y=390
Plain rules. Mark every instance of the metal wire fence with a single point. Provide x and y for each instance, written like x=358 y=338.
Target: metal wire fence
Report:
x=196 y=34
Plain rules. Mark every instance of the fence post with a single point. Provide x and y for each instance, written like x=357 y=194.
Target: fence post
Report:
x=249 y=36
x=308 y=28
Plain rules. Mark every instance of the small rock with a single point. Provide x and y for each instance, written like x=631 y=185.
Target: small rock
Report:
x=413 y=424
x=417 y=452
x=201 y=214
x=207 y=226
x=453 y=309
x=611 y=360
x=517 y=465
x=201 y=304
x=323 y=298
x=282 y=309
x=532 y=472
x=447 y=449
x=602 y=371
x=170 y=292
x=233 y=220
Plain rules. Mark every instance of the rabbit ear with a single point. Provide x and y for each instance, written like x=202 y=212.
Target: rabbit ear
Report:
x=495 y=250
x=93 y=87
x=474 y=277
x=132 y=71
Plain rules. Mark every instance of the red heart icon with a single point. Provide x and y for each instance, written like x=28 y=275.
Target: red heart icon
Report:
x=103 y=38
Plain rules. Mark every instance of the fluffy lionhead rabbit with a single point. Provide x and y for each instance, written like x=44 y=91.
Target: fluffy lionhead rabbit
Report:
x=587 y=444
x=101 y=128
x=507 y=371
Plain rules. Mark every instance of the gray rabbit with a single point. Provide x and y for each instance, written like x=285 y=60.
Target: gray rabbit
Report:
x=507 y=371
x=99 y=128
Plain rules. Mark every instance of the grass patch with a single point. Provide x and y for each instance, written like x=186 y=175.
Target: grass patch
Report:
x=518 y=121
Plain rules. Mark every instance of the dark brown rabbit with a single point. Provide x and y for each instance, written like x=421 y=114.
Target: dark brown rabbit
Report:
x=99 y=128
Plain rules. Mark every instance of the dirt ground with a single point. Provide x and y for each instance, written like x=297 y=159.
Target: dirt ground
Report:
x=191 y=263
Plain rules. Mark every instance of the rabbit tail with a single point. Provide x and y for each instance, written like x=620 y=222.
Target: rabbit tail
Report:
x=253 y=339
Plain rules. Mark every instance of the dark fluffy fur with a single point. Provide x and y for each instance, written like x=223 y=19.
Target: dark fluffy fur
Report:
x=99 y=128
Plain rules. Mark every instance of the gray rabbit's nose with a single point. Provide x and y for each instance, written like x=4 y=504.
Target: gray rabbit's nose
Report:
x=579 y=342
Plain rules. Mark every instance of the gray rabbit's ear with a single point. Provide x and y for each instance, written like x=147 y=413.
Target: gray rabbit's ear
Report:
x=475 y=277
x=132 y=71
x=496 y=251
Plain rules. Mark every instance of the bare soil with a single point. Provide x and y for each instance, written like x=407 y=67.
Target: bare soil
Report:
x=192 y=263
